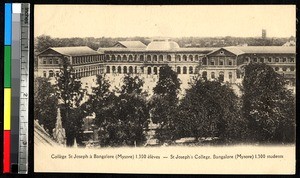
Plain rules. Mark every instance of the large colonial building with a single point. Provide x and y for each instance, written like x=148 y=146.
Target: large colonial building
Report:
x=134 y=57
x=85 y=61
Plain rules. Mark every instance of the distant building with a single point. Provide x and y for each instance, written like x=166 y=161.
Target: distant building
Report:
x=290 y=43
x=264 y=34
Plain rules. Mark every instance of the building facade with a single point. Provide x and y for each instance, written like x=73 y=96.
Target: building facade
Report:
x=85 y=61
x=135 y=58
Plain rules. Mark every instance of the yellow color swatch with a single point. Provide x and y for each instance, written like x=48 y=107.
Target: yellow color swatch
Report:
x=7 y=108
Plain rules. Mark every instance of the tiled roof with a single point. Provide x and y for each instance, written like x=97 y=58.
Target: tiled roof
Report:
x=238 y=50
x=74 y=51
x=264 y=49
x=235 y=50
x=114 y=49
x=132 y=44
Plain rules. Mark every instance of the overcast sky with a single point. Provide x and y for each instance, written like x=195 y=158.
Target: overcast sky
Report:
x=164 y=21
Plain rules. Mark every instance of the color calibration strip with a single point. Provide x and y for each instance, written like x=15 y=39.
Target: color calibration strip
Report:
x=16 y=85
x=7 y=87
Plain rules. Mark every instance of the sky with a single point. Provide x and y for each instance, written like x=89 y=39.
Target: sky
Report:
x=64 y=21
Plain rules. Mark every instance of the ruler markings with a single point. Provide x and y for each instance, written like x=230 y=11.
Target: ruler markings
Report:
x=24 y=86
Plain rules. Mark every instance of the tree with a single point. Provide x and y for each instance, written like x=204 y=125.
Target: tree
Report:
x=210 y=109
x=168 y=85
x=126 y=116
x=267 y=105
x=164 y=102
x=45 y=103
x=70 y=95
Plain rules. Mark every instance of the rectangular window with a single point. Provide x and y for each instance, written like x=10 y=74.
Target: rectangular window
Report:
x=221 y=62
x=284 y=59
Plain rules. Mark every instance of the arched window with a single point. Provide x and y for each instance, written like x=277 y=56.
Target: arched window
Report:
x=149 y=70
x=142 y=70
x=230 y=75
x=51 y=73
x=169 y=57
x=284 y=68
x=178 y=58
x=125 y=70
x=56 y=61
x=148 y=58
x=130 y=69
x=221 y=76
x=184 y=58
x=118 y=58
x=191 y=58
x=184 y=70
x=44 y=73
x=155 y=58
x=204 y=74
x=113 y=69
x=130 y=58
x=141 y=58
x=124 y=58
x=119 y=70
x=204 y=61
x=276 y=68
x=196 y=58
x=160 y=57
x=292 y=59
x=135 y=69
x=57 y=73
x=292 y=68
x=230 y=62
x=262 y=60
x=270 y=59
x=113 y=57
x=107 y=57
x=178 y=70
x=212 y=74
x=191 y=70
x=155 y=70
x=277 y=59
x=107 y=69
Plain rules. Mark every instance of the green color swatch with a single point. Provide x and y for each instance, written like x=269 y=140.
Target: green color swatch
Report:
x=7 y=66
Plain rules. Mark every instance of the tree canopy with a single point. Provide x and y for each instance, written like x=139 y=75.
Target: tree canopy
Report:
x=45 y=103
x=267 y=105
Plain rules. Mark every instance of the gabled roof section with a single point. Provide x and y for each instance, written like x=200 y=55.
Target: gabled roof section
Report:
x=131 y=44
x=73 y=51
x=229 y=50
x=235 y=50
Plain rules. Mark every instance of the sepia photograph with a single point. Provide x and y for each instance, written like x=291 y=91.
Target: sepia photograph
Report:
x=165 y=89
